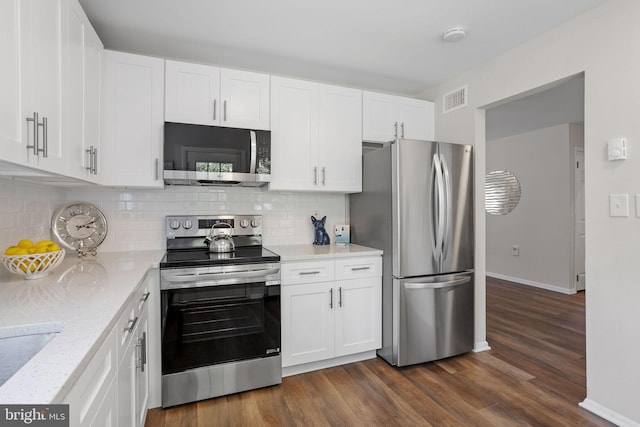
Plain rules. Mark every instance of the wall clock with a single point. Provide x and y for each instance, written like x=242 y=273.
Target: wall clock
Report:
x=79 y=226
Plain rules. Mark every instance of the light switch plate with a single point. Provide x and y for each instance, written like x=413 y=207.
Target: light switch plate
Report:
x=618 y=205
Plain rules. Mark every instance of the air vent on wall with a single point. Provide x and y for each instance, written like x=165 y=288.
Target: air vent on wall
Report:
x=454 y=99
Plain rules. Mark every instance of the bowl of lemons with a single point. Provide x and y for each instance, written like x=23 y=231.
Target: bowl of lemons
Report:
x=33 y=261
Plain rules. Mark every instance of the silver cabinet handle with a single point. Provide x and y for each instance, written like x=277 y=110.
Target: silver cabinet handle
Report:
x=35 y=125
x=395 y=129
x=224 y=117
x=142 y=344
x=359 y=268
x=89 y=152
x=157 y=167
x=315 y=175
x=45 y=143
x=131 y=325
x=95 y=161
x=340 y=296
x=324 y=175
x=402 y=130
x=331 y=298
x=215 y=108
x=306 y=273
x=145 y=296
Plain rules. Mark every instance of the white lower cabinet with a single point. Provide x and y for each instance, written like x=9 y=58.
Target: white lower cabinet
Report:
x=330 y=315
x=113 y=390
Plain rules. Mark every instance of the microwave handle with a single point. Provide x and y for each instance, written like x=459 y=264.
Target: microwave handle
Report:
x=254 y=152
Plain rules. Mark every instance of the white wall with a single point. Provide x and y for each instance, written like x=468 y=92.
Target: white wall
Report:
x=543 y=222
x=602 y=43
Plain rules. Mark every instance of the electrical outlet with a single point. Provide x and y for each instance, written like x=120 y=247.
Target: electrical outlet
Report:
x=515 y=250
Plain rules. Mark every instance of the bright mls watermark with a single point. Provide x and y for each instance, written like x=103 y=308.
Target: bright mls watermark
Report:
x=34 y=415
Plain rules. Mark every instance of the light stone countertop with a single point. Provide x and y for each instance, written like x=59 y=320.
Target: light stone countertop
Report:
x=84 y=298
x=309 y=251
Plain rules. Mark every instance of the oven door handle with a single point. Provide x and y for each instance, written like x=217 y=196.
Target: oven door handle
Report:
x=190 y=277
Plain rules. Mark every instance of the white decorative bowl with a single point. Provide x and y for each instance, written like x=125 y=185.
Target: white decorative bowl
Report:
x=33 y=266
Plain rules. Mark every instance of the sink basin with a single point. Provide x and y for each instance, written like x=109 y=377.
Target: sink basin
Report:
x=18 y=344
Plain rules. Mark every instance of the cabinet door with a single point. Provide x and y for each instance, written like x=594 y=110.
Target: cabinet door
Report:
x=192 y=93
x=132 y=122
x=81 y=101
x=41 y=54
x=245 y=99
x=106 y=415
x=358 y=315
x=127 y=393
x=93 y=50
x=12 y=147
x=307 y=323
x=294 y=134
x=142 y=374
x=416 y=119
x=379 y=117
x=340 y=139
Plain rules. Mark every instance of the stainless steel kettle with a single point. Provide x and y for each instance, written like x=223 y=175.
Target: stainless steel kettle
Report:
x=220 y=242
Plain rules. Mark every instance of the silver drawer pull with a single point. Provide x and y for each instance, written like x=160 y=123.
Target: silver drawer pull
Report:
x=306 y=273
x=360 y=268
x=131 y=325
x=145 y=296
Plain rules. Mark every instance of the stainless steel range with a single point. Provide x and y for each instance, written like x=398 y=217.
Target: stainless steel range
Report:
x=220 y=310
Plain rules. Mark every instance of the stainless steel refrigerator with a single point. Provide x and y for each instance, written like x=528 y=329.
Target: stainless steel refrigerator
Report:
x=417 y=206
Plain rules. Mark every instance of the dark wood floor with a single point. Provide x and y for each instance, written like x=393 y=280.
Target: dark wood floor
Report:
x=534 y=375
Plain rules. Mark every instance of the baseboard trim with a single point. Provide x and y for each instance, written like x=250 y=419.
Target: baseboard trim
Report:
x=607 y=414
x=329 y=363
x=532 y=283
x=481 y=346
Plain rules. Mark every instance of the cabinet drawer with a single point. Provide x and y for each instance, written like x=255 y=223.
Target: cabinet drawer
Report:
x=295 y=273
x=125 y=325
x=353 y=268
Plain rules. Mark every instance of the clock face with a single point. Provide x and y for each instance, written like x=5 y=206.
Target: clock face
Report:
x=79 y=226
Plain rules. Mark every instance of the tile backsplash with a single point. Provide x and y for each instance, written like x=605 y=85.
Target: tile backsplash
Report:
x=136 y=216
x=25 y=211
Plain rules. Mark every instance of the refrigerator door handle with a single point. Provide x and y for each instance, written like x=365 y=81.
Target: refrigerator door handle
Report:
x=447 y=214
x=438 y=209
x=437 y=285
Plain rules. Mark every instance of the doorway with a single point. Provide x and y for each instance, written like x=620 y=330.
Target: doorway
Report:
x=539 y=138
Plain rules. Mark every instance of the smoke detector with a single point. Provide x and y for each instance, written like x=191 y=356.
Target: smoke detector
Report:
x=453 y=34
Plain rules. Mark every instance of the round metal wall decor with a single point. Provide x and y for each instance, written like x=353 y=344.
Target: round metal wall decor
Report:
x=502 y=192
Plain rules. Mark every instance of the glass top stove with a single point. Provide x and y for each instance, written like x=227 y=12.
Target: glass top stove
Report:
x=202 y=257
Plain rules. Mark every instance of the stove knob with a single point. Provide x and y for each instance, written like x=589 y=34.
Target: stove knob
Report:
x=255 y=223
x=187 y=224
x=174 y=224
x=244 y=223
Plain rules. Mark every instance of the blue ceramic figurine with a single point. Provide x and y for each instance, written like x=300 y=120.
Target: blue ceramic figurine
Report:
x=321 y=236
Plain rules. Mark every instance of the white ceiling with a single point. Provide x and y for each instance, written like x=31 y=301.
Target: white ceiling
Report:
x=390 y=46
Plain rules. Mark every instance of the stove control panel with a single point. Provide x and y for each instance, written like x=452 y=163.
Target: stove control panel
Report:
x=201 y=225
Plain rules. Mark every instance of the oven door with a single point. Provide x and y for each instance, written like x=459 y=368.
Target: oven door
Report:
x=204 y=326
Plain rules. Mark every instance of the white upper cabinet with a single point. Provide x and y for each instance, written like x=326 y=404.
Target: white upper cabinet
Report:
x=206 y=95
x=132 y=120
x=12 y=124
x=316 y=137
x=386 y=117
x=31 y=43
x=81 y=105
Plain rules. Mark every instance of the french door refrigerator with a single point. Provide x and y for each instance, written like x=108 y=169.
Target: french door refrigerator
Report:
x=417 y=206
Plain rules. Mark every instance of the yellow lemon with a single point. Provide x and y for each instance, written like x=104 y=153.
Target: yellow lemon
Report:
x=31 y=250
x=40 y=249
x=53 y=247
x=25 y=243
x=43 y=243
x=11 y=250
x=21 y=251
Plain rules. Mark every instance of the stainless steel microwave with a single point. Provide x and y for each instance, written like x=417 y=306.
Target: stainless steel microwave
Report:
x=211 y=155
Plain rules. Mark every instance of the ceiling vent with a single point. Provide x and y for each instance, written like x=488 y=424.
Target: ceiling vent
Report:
x=455 y=99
